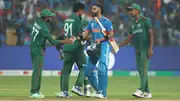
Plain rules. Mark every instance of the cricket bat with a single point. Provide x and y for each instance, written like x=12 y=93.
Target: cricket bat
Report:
x=111 y=40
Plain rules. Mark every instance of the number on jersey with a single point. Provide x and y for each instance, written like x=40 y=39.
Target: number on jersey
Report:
x=68 y=29
x=34 y=33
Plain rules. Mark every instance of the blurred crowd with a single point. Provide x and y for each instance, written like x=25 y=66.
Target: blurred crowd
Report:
x=17 y=17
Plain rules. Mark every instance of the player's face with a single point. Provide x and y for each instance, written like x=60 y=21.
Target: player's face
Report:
x=95 y=11
x=133 y=12
x=49 y=19
x=81 y=11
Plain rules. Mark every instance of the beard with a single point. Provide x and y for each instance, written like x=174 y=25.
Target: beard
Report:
x=94 y=14
x=80 y=17
x=48 y=21
x=133 y=15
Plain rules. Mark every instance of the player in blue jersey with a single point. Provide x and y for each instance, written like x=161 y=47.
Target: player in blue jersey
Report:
x=102 y=41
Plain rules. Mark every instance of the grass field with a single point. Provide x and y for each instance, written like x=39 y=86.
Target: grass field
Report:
x=119 y=88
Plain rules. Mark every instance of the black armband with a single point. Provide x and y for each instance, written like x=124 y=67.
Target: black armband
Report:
x=80 y=37
x=58 y=47
x=106 y=37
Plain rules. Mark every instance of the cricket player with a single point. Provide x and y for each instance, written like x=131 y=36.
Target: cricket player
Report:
x=141 y=35
x=39 y=35
x=94 y=27
x=90 y=70
x=73 y=53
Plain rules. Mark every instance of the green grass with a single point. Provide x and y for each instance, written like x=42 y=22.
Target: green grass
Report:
x=118 y=88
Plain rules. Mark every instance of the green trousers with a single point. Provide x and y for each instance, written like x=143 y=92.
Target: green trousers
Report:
x=37 y=62
x=142 y=63
x=71 y=57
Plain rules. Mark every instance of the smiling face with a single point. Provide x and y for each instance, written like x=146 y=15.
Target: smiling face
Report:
x=134 y=12
x=95 y=11
x=81 y=11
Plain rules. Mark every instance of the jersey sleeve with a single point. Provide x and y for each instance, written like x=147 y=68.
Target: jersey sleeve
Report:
x=88 y=28
x=148 y=24
x=49 y=37
x=108 y=26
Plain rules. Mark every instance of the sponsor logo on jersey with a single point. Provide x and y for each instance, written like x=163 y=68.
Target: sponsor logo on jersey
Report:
x=137 y=31
x=139 y=25
x=70 y=20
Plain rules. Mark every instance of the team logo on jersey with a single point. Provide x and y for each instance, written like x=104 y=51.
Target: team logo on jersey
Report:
x=132 y=26
x=139 y=25
x=92 y=25
x=111 y=27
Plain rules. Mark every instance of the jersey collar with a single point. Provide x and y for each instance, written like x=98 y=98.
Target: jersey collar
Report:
x=101 y=17
x=75 y=15
x=136 y=21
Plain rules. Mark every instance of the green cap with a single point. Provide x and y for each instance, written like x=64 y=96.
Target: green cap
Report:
x=134 y=6
x=46 y=12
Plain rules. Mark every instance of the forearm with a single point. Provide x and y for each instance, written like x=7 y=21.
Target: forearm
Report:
x=151 y=43
x=102 y=39
x=151 y=39
x=111 y=34
x=56 y=42
x=84 y=36
x=124 y=42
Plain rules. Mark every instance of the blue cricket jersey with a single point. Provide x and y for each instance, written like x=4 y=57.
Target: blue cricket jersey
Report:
x=95 y=28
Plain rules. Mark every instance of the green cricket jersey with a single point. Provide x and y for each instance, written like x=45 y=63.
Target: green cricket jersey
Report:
x=39 y=35
x=139 y=30
x=72 y=27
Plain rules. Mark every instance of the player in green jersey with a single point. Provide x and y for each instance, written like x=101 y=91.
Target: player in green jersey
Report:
x=141 y=35
x=73 y=53
x=39 y=35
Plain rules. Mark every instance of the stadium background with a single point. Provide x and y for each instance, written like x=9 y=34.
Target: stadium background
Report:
x=17 y=17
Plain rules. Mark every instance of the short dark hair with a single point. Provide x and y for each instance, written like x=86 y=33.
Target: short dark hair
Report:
x=100 y=6
x=78 y=6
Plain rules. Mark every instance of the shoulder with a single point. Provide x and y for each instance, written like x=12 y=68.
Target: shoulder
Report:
x=105 y=19
x=39 y=25
x=42 y=25
x=145 y=18
x=70 y=19
x=91 y=22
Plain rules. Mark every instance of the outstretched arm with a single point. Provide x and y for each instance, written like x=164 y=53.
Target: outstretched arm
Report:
x=56 y=42
x=129 y=38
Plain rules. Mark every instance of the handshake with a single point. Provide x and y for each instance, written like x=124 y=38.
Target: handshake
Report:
x=69 y=41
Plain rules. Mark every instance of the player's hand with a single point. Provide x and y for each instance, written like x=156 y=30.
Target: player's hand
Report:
x=98 y=41
x=150 y=53
x=73 y=38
